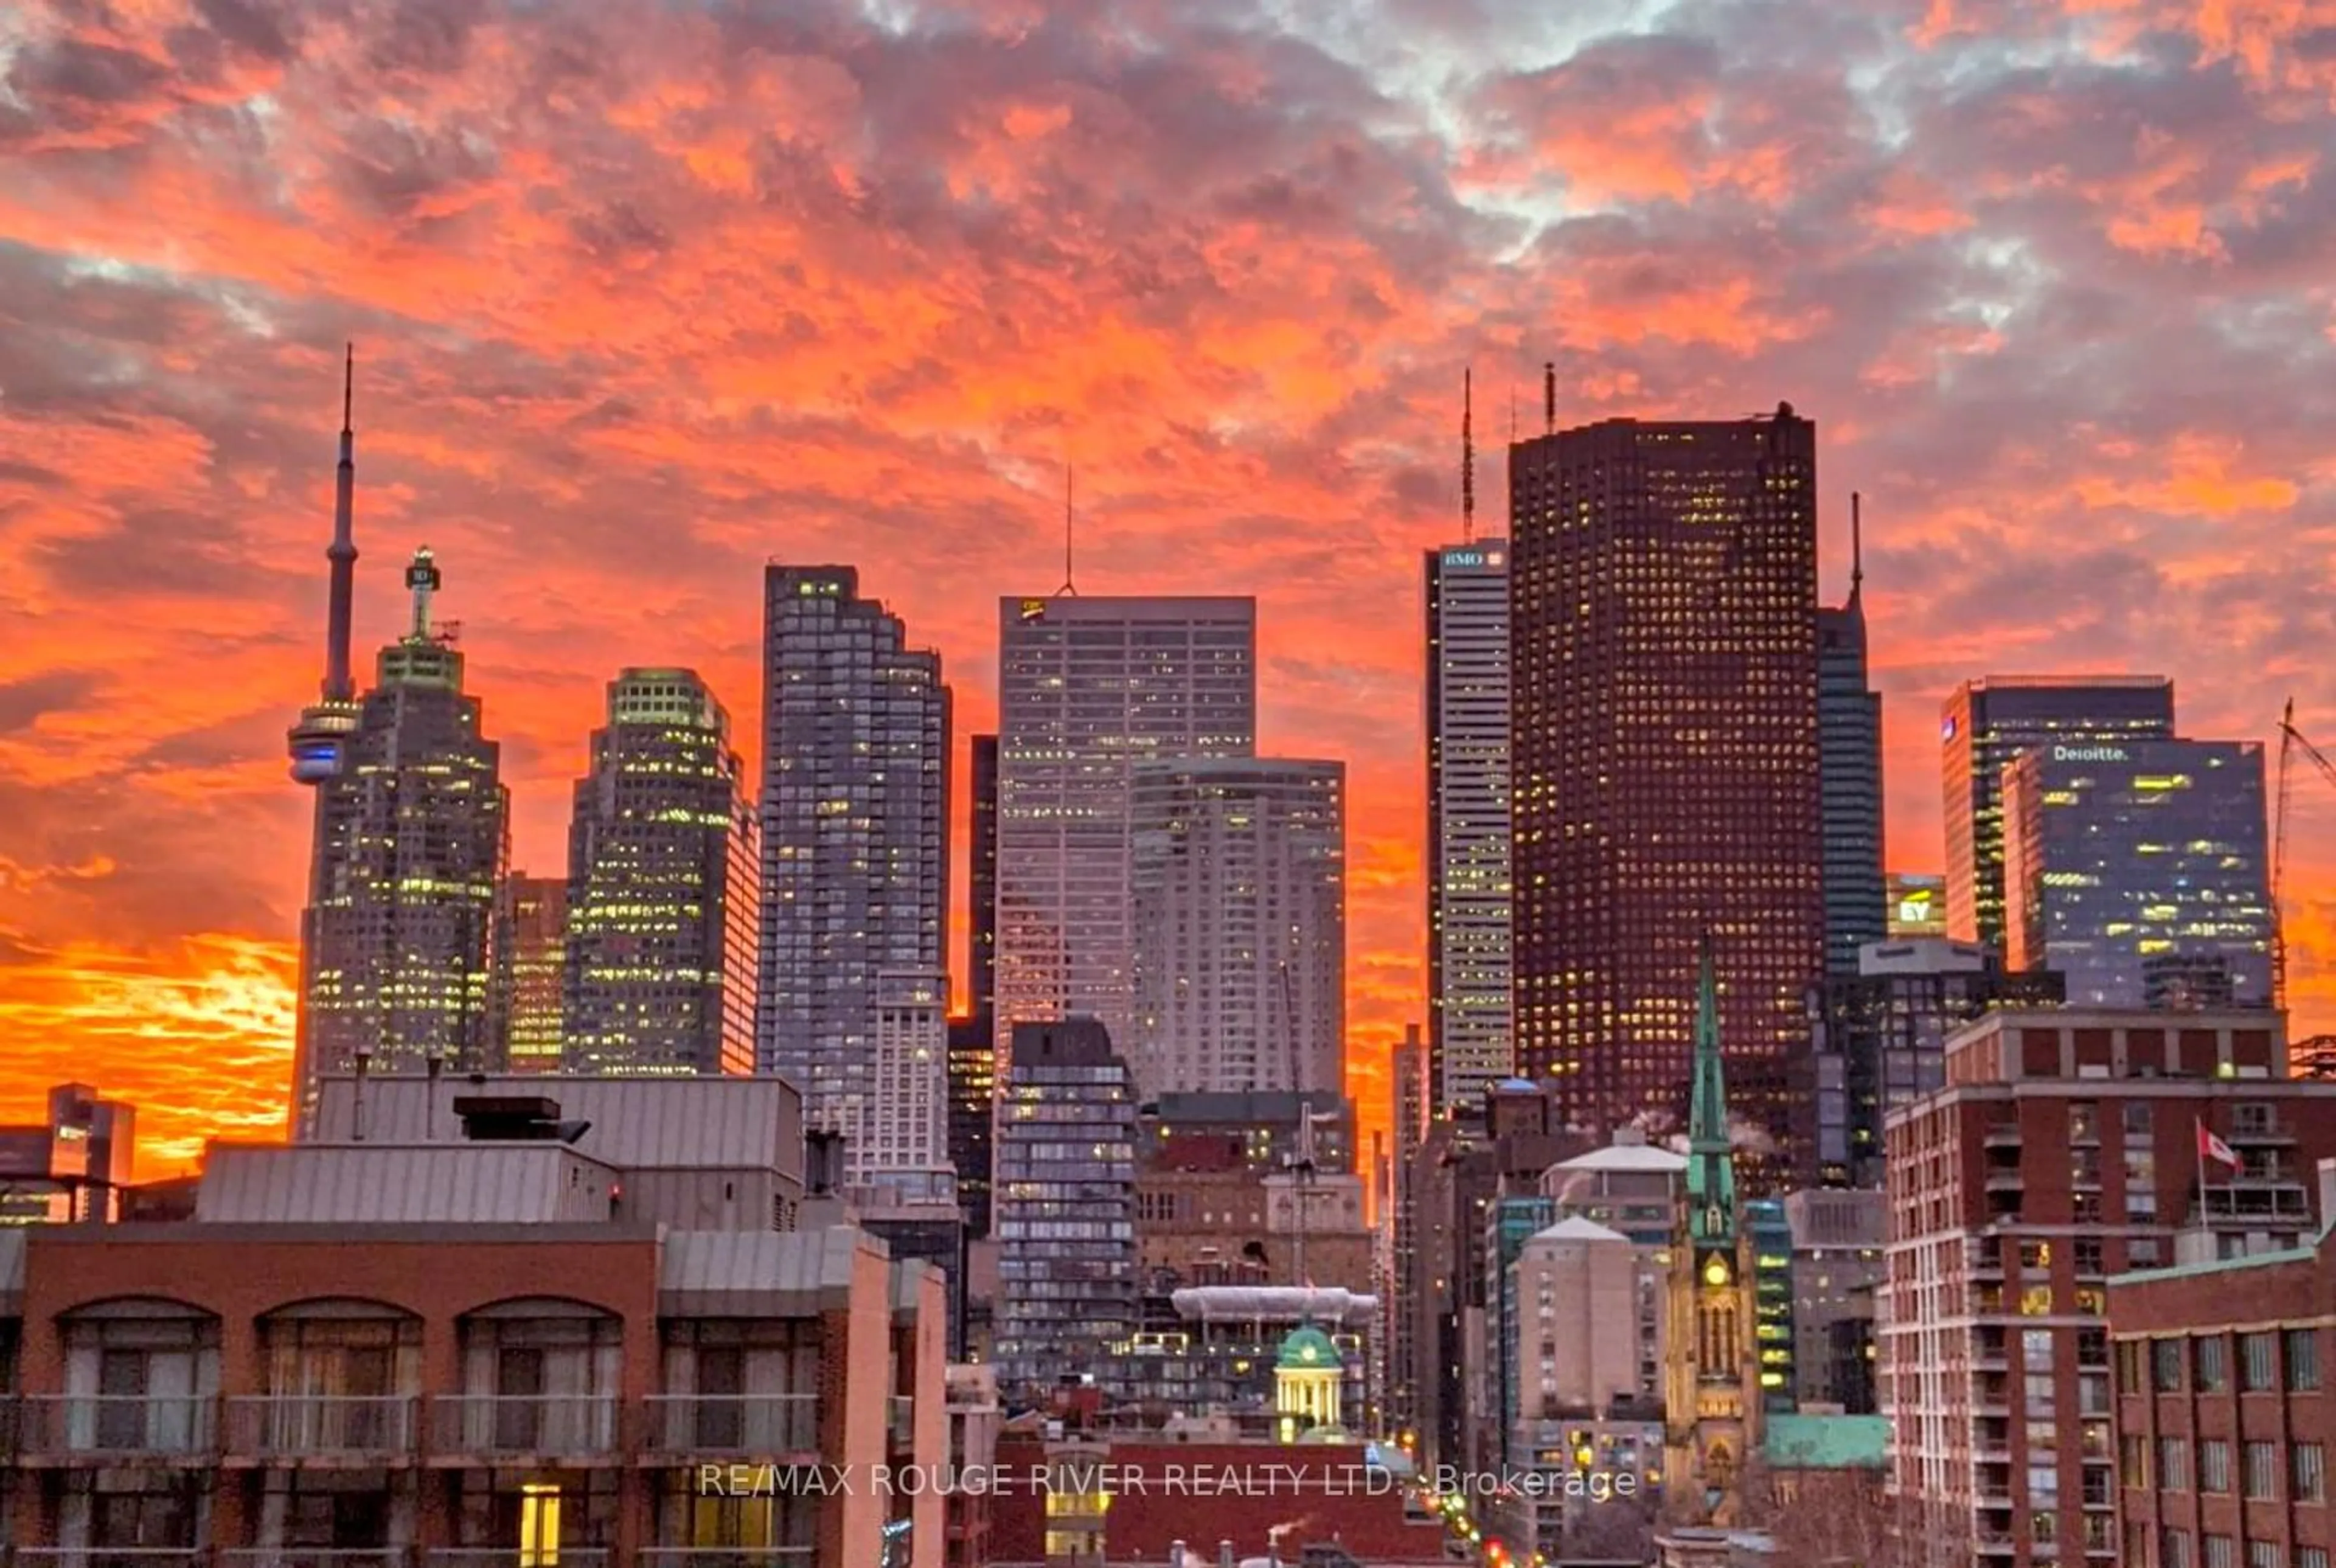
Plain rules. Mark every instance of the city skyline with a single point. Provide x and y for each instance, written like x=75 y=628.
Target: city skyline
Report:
x=604 y=477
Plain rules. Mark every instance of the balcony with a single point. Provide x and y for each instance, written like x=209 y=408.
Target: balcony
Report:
x=544 y=1428
x=314 y=1557
x=774 y=1427
x=2004 y=1181
x=115 y=1428
x=2262 y=1133
x=546 y=1556
x=1995 y=1544
x=107 y=1557
x=727 y=1556
x=2002 y=1135
x=320 y=1428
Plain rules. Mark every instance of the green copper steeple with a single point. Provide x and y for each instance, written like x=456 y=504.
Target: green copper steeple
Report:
x=1710 y=1161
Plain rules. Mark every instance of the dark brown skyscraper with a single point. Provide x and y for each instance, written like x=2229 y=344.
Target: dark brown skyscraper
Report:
x=1664 y=686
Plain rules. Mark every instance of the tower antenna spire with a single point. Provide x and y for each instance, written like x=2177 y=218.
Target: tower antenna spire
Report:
x=1068 y=588
x=342 y=551
x=1549 y=396
x=1467 y=457
x=1857 y=544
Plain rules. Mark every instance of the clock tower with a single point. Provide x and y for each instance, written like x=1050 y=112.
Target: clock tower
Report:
x=1711 y=1403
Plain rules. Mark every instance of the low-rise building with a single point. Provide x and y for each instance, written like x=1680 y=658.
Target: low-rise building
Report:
x=2224 y=1423
x=491 y=1345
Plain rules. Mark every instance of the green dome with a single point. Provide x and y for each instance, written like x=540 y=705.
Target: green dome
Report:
x=1308 y=1350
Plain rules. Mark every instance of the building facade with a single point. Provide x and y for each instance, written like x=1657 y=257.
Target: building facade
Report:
x=527 y=1002
x=1985 y=724
x=661 y=877
x=1664 y=738
x=1063 y=1208
x=1880 y=1041
x=1468 y=893
x=2116 y=858
x=1849 y=757
x=981 y=878
x=412 y=837
x=1087 y=687
x=854 y=816
x=2065 y=1149
x=488 y=1345
x=1238 y=887
x=905 y=1129
x=972 y=1115
x=2223 y=1424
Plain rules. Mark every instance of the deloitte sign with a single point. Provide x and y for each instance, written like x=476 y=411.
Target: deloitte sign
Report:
x=2089 y=753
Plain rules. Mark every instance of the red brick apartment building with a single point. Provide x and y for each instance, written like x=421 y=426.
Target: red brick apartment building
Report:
x=527 y=1377
x=2224 y=1424
x=2063 y=1150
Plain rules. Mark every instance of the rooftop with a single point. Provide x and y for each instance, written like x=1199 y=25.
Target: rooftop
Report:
x=1576 y=1228
x=1798 y=1442
x=637 y=1124
x=1626 y=1157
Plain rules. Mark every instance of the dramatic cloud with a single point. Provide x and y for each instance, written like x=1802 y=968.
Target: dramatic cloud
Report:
x=648 y=293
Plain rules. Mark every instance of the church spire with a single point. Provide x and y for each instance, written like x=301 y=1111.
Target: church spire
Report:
x=1711 y=1164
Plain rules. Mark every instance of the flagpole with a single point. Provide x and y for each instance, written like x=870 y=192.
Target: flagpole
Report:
x=2198 y=1153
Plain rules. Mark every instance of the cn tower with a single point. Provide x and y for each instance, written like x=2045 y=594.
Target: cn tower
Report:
x=317 y=742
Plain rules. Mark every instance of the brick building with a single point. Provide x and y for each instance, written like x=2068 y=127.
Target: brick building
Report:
x=2224 y=1423
x=2063 y=1150
x=467 y=1349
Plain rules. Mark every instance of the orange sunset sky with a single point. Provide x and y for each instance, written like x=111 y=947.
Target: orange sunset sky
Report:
x=647 y=291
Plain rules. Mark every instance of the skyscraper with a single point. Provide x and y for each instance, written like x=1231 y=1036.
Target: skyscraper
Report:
x=981 y=862
x=527 y=1002
x=1663 y=678
x=1986 y=724
x=1849 y=760
x=855 y=838
x=412 y=834
x=661 y=873
x=1468 y=900
x=1086 y=688
x=2120 y=856
x=1239 y=891
x=1066 y=1206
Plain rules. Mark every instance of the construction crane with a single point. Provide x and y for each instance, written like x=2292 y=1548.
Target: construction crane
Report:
x=2291 y=741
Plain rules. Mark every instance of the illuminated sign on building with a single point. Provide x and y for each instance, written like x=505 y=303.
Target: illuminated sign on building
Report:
x=1947 y=729
x=1034 y=609
x=1474 y=557
x=2088 y=754
x=1917 y=905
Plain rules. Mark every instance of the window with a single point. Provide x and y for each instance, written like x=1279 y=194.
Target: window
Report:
x=2312 y=1557
x=2265 y=1555
x=2310 y=1473
x=2303 y=1359
x=2262 y=1472
x=2036 y=1301
x=2088 y=1255
x=2214 y=1465
x=2128 y=1365
x=2173 y=1465
x=2165 y=1365
x=2256 y=1350
x=2133 y=1463
x=2174 y=1548
x=2214 y=1364
x=2217 y=1552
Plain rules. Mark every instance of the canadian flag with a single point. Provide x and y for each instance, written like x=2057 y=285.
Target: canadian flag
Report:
x=2211 y=1147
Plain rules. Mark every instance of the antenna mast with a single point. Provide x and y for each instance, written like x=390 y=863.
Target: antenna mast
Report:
x=1467 y=458
x=1549 y=396
x=1857 y=544
x=1067 y=589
